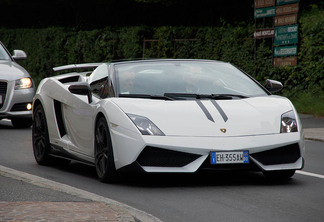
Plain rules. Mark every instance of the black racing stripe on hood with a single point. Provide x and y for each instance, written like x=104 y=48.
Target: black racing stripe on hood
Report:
x=220 y=110
x=203 y=108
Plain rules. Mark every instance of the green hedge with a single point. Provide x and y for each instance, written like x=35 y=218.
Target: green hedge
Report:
x=50 y=47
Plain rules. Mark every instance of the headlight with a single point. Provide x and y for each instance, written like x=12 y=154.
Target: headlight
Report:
x=288 y=122
x=145 y=126
x=24 y=83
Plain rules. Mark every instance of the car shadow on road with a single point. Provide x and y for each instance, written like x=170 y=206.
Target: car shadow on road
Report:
x=6 y=125
x=74 y=167
x=215 y=178
x=167 y=180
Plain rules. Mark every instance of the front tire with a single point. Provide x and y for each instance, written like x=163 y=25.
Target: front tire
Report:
x=40 y=138
x=104 y=157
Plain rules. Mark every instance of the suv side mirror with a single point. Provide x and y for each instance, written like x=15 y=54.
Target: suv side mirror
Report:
x=81 y=88
x=273 y=85
x=19 y=55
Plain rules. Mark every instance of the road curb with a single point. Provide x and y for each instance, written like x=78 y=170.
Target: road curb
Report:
x=127 y=213
x=316 y=134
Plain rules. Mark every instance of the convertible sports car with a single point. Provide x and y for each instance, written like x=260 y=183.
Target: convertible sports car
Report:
x=167 y=115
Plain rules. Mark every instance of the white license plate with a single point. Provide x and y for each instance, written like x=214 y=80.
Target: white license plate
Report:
x=229 y=157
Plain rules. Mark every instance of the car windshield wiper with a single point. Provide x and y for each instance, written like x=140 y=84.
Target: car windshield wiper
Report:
x=146 y=96
x=221 y=96
x=204 y=96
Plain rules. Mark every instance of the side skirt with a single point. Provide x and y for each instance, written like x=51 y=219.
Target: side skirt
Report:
x=58 y=151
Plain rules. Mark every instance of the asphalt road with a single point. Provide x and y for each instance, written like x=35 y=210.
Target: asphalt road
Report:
x=179 y=197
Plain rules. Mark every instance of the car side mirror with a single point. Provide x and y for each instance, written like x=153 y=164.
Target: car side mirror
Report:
x=19 y=55
x=273 y=85
x=81 y=88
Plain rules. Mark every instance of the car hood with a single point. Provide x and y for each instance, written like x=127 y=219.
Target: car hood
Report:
x=11 y=71
x=239 y=117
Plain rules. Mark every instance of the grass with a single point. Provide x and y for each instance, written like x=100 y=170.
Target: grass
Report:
x=309 y=103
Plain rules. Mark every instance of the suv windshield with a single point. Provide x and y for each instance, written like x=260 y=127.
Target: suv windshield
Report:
x=3 y=53
x=181 y=77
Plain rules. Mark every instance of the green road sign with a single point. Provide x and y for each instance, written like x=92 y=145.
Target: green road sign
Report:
x=284 y=2
x=264 y=12
x=285 y=35
x=285 y=51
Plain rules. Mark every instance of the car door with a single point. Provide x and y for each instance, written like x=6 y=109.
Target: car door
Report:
x=80 y=114
x=78 y=117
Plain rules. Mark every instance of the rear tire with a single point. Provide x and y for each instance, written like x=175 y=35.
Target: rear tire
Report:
x=22 y=122
x=40 y=138
x=104 y=157
x=279 y=175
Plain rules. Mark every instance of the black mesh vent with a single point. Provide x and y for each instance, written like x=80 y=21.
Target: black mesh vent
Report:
x=281 y=155
x=157 y=157
x=3 y=92
x=59 y=117
x=3 y=87
x=20 y=107
x=70 y=79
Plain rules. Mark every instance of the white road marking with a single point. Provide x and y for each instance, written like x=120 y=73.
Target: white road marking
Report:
x=310 y=174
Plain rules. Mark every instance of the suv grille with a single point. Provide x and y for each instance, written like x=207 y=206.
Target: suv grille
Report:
x=3 y=92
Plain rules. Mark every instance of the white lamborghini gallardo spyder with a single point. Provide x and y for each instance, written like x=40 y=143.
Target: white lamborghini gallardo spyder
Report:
x=166 y=115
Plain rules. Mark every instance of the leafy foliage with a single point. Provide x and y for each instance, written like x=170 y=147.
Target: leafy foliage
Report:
x=50 y=47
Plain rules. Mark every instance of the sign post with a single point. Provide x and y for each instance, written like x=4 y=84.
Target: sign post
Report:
x=284 y=30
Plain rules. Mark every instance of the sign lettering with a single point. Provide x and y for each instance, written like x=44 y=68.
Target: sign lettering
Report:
x=285 y=61
x=285 y=35
x=264 y=12
x=286 y=20
x=287 y=9
x=285 y=51
x=264 y=33
x=284 y=2
x=264 y=3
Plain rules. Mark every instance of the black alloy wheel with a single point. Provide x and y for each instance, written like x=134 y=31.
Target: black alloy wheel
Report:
x=104 y=158
x=40 y=138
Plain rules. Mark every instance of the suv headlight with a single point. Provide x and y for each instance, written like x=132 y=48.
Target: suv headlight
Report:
x=24 y=83
x=145 y=126
x=288 y=122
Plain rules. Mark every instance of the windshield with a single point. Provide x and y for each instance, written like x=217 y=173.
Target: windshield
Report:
x=3 y=54
x=174 y=78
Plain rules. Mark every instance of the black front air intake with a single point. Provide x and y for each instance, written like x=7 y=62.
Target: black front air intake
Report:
x=281 y=155
x=20 y=107
x=157 y=157
x=3 y=92
x=70 y=79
